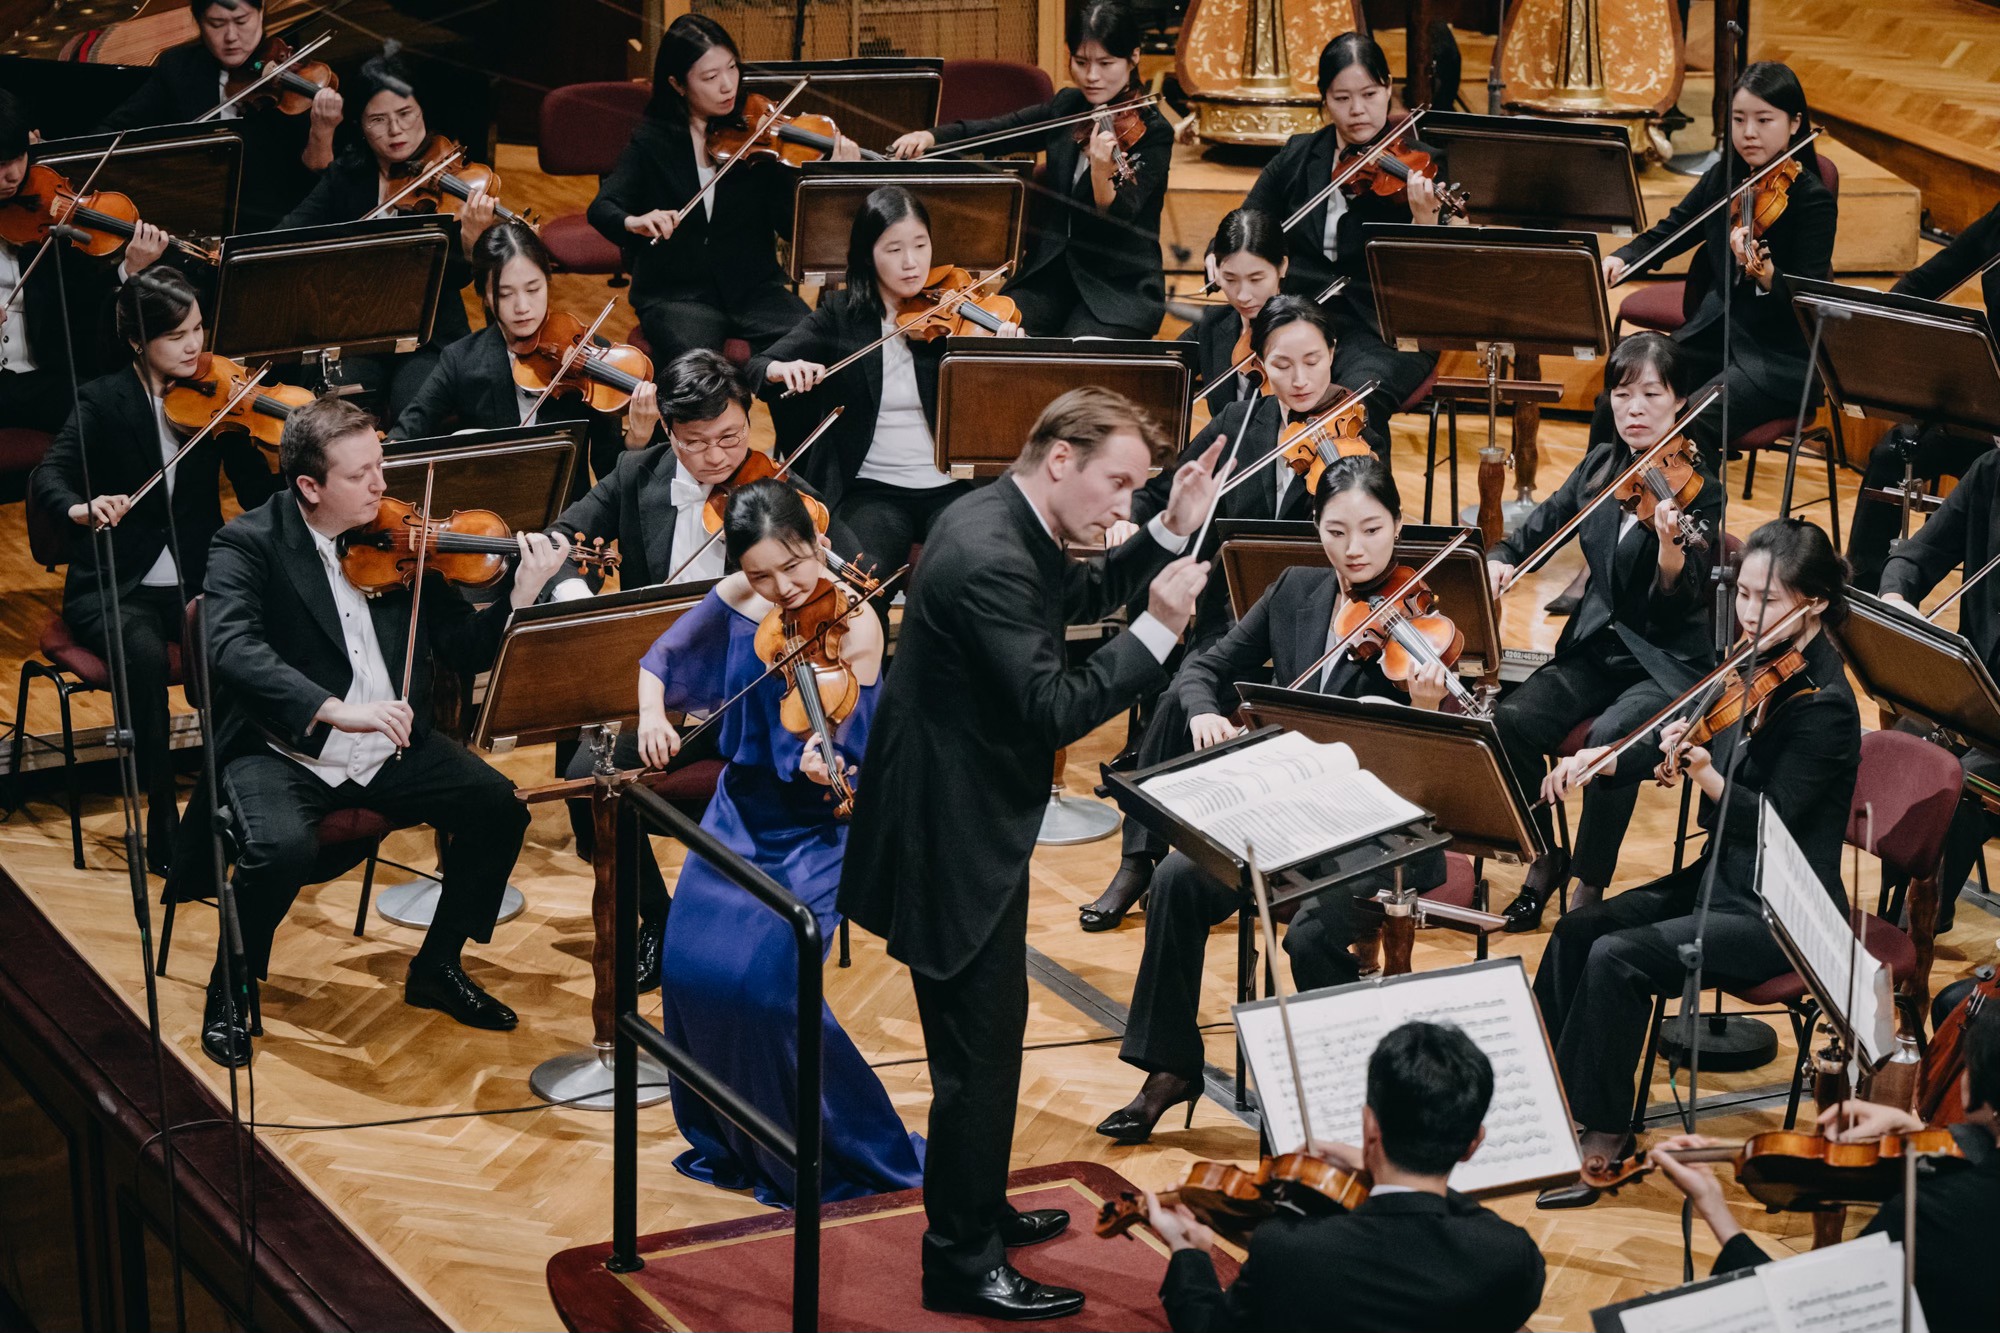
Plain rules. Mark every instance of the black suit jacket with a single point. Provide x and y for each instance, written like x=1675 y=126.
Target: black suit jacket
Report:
x=1285 y=629
x=1301 y=170
x=1973 y=247
x=838 y=326
x=1668 y=632
x=1955 y=1209
x=965 y=738
x=1965 y=530
x=185 y=85
x=729 y=254
x=115 y=422
x=1398 y=1262
x=473 y=389
x=1768 y=343
x=1113 y=257
x=350 y=190
x=275 y=642
x=634 y=505
x=1214 y=336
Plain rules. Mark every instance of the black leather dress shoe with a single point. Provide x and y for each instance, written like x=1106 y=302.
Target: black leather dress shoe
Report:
x=225 y=1038
x=1032 y=1228
x=1578 y=1195
x=652 y=942
x=1002 y=1293
x=445 y=986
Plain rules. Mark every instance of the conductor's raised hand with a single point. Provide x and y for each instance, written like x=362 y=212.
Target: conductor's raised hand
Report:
x=1175 y=589
x=1193 y=494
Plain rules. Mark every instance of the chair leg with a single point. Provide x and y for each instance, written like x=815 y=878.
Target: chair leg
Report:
x=846 y=957
x=1681 y=826
x=367 y=892
x=17 y=743
x=1646 y=1064
x=1832 y=482
x=166 y=939
x=1451 y=452
x=1430 y=464
x=1749 y=471
x=69 y=776
x=1802 y=1038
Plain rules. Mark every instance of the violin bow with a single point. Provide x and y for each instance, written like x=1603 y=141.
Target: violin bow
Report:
x=1347 y=401
x=1355 y=168
x=423 y=540
x=1262 y=893
x=1963 y=588
x=576 y=351
x=945 y=305
x=430 y=173
x=21 y=286
x=243 y=390
x=270 y=73
x=964 y=145
x=1634 y=269
x=723 y=170
x=1242 y=367
x=783 y=468
x=1540 y=554
x=1376 y=612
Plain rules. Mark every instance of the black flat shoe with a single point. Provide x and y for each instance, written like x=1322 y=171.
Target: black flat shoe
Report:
x=1032 y=1228
x=225 y=1038
x=1133 y=1123
x=444 y=986
x=652 y=942
x=1578 y=1195
x=1563 y=605
x=1127 y=887
x=1001 y=1293
x=1525 y=912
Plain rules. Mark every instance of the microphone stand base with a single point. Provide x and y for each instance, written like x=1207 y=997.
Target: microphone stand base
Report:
x=582 y=1080
x=414 y=903
x=1069 y=820
x=1730 y=1043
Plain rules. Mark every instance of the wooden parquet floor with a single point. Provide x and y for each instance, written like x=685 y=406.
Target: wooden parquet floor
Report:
x=469 y=1208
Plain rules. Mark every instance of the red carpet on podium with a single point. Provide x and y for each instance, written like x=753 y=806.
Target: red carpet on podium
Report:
x=731 y=1276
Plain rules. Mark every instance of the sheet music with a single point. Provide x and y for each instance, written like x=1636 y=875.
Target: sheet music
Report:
x=1290 y=796
x=1825 y=939
x=1738 y=1306
x=1528 y=1134
x=1856 y=1287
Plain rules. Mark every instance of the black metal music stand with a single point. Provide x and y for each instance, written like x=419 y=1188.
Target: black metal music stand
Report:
x=991 y=390
x=314 y=294
x=1552 y=175
x=874 y=99
x=1918 y=668
x=976 y=210
x=1506 y=294
x=549 y=683
x=1914 y=361
x=184 y=178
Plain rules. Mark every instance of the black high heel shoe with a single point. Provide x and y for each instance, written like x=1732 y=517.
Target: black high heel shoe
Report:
x=1127 y=887
x=1132 y=1124
x=1525 y=912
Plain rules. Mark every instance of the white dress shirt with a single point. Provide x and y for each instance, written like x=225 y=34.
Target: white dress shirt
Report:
x=1336 y=209
x=351 y=756
x=524 y=397
x=903 y=453
x=235 y=110
x=15 y=353
x=163 y=574
x=1145 y=627
x=691 y=533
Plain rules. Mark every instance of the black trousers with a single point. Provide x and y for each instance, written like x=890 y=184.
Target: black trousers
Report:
x=1165 y=737
x=574 y=761
x=1051 y=307
x=1935 y=453
x=1163 y=1033
x=1605 y=964
x=760 y=316
x=1598 y=677
x=278 y=806
x=37 y=399
x=149 y=620
x=1363 y=356
x=888 y=520
x=974 y=1025
x=1752 y=400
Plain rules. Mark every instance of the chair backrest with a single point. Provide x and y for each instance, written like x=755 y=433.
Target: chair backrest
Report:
x=977 y=89
x=48 y=534
x=1829 y=174
x=585 y=125
x=194 y=654
x=1912 y=787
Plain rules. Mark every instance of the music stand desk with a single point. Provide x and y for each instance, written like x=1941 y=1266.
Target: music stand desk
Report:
x=1902 y=358
x=1469 y=288
x=184 y=178
x=875 y=100
x=522 y=473
x=351 y=288
x=992 y=390
x=977 y=210
x=1525 y=171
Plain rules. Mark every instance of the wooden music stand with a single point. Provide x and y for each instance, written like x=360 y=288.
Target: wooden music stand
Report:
x=1551 y=175
x=185 y=178
x=875 y=100
x=991 y=390
x=976 y=211
x=1505 y=294
x=521 y=473
x=548 y=643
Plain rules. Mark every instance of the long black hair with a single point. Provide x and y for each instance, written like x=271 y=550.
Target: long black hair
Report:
x=1280 y=311
x=1803 y=559
x=883 y=209
x=1773 y=81
x=1112 y=24
x=1352 y=48
x=152 y=302
x=686 y=40
x=1359 y=472
x=1249 y=231
x=499 y=245
x=762 y=510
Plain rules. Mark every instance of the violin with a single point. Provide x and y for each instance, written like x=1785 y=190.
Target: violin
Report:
x=1736 y=703
x=470 y=548
x=192 y=403
x=106 y=218
x=1766 y=199
x=1793 y=1171
x=1310 y=446
x=924 y=316
x=1673 y=476
x=755 y=467
x=1940 y=1099
x=794 y=139
x=447 y=191
x=292 y=92
x=605 y=376
x=1389 y=175
x=1127 y=128
x=1399 y=626
x=1227 y=1199
x=821 y=687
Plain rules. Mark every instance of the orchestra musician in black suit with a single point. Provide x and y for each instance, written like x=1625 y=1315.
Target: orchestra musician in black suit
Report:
x=309 y=719
x=1955 y=1199
x=1414 y=1255
x=116 y=442
x=281 y=154
x=981 y=697
x=1247 y=263
x=1093 y=266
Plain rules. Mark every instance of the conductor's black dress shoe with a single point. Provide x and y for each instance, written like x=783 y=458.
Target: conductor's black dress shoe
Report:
x=1000 y=1293
x=1034 y=1227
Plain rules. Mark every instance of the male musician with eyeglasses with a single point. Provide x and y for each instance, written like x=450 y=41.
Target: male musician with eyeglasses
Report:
x=323 y=705
x=1413 y=1255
